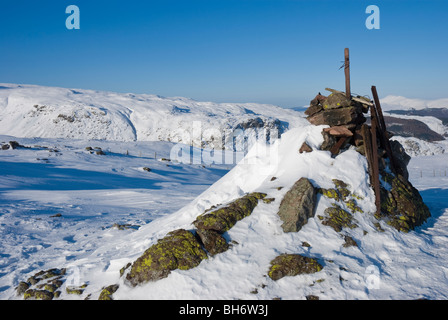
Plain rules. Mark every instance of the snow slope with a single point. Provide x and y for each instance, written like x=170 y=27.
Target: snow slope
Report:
x=50 y=112
x=114 y=188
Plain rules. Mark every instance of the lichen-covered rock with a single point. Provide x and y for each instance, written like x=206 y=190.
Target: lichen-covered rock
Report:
x=292 y=265
x=222 y=219
x=402 y=205
x=338 y=218
x=22 y=287
x=106 y=293
x=38 y=294
x=179 y=249
x=297 y=206
x=213 y=242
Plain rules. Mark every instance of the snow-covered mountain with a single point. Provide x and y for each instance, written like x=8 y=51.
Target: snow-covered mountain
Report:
x=50 y=112
x=402 y=103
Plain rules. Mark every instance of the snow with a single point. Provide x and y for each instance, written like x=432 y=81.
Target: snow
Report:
x=402 y=103
x=51 y=112
x=93 y=192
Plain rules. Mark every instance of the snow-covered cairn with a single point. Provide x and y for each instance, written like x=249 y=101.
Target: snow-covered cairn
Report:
x=401 y=204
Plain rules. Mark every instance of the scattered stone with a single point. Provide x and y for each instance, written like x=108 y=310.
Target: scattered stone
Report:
x=146 y=169
x=305 y=148
x=312 y=297
x=297 y=205
x=292 y=265
x=57 y=215
x=306 y=244
x=349 y=242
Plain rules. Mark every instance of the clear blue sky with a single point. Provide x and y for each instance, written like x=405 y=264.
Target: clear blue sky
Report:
x=269 y=51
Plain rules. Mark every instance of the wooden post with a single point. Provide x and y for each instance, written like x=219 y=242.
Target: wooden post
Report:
x=375 y=168
x=384 y=137
x=347 y=74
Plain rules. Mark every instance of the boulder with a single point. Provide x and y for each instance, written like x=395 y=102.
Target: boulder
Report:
x=213 y=242
x=402 y=205
x=292 y=265
x=179 y=249
x=297 y=206
x=225 y=218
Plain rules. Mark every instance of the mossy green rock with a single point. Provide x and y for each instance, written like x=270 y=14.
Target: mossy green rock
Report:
x=292 y=265
x=338 y=218
x=297 y=206
x=106 y=293
x=222 y=219
x=403 y=205
x=38 y=294
x=179 y=249
x=213 y=242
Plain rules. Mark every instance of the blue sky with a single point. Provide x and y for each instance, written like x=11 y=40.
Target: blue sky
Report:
x=269 y=51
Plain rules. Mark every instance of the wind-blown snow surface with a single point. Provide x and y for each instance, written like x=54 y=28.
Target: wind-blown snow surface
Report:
x=51 y=112
x=114 y=188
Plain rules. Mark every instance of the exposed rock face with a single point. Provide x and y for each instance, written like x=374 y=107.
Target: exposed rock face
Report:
x=298 y=205
x=402 y=205
x=181 y=249
x=178 y=250
x=211 y=225
x=225 y=218
x=292 y=265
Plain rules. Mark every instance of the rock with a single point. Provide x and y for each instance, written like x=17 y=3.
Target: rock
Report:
x=292 y=265
x=337 y=117
x=338 y=218
x=336 y=101
x=349 y=242
x=22 y=287
x=213 y=242
x=225 y=218
x=106 y=293
x=402 y=205
x=312 y=297
x=38 y=294
x=401 y=158
x=297 y=206
x=146 y=169
x=339 y=131
x=305 y=148
x=179 y=249
x=329 y=141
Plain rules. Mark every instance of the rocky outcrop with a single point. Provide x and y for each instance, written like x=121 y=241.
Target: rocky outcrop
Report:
x=179 y=249
x=182 y=249
x=402 y=205
x=292 y=265
x=297 y=205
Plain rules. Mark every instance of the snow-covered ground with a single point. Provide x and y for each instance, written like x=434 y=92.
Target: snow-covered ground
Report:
x=93 y=192
x=64 y=206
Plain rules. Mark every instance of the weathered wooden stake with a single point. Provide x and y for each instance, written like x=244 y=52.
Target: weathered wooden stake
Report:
x=384 y=137
x=375 y=168
x=347 y=74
